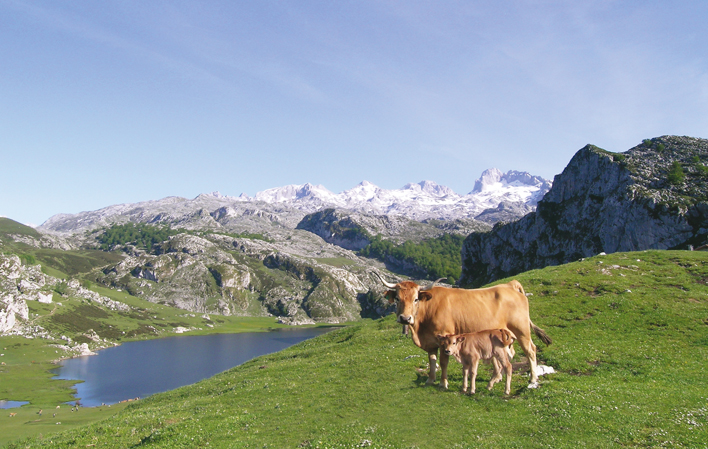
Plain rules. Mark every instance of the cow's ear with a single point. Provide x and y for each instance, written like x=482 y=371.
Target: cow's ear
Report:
x=440 y=337
x=460 y=339
x=424 y=296
x=390 y=295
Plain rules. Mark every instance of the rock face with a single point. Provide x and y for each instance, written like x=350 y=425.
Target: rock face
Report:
x=337 y=228
x=654 y=196
x=21 y=283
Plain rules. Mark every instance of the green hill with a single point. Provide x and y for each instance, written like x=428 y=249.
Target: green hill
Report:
x=8 y=226
x=56 y=262
x=630 y=335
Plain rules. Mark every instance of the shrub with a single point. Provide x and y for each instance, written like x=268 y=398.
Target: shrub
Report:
x=28 y=259
x=676 y=174
x=140 y=235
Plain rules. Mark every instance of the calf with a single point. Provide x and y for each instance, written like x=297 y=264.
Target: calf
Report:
x=468 y=349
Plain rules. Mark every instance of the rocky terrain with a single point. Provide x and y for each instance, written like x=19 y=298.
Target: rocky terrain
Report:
x=653 y=196
x=300 y=279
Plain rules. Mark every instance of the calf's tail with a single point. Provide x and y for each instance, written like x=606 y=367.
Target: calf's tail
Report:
x=541 y=334
x=507 y=337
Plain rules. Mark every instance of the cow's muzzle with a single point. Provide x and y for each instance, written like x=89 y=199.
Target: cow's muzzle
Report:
x=405 y=319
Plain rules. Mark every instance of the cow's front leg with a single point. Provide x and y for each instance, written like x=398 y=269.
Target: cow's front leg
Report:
x=444 y=360
x=432 y=360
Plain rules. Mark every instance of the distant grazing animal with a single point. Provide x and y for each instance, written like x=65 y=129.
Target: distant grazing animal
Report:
x=12 y=414
x=433 y=311
x=470 y=348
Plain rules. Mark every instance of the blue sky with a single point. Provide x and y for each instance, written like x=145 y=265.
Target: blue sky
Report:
x=124 y=101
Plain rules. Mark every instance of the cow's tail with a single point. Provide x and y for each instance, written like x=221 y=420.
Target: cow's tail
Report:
x=541 y=334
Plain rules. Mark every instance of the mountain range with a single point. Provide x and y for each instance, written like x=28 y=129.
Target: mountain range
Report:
x=496 y=196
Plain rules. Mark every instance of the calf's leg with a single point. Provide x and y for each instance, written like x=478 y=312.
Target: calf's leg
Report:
x=475 y=365
x=497 y=376
x=465 y=375
x=508 y=368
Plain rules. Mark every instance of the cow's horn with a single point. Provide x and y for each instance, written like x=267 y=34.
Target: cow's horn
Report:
x=387 y=284
x=432 y=285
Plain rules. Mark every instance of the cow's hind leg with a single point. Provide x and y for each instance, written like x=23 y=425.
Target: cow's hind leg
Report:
x=432 y=361
x=530 y=351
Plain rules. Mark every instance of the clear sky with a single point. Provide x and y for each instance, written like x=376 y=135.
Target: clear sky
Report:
x=106 y=102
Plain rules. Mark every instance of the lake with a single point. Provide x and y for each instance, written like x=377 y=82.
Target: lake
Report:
x=141 y=368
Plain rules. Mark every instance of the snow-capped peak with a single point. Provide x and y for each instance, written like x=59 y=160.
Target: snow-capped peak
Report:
x=293 y=192
x=425 y=199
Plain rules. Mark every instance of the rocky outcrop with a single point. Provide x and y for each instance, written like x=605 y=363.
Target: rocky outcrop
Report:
x=354 y=231
x=20 y=283
x=217 y=273
x=337 y=228
x=654 y=196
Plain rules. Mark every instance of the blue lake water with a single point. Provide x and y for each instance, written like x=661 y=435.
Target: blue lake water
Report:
x=12 y=404
x=141 y=368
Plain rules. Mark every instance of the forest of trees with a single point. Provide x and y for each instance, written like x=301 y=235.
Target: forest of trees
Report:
x=438 y=257
x=140 y=235
x=144 y=236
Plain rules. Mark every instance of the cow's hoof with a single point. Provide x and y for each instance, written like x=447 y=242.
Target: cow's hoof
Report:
x=533 y=385
x=429 y=382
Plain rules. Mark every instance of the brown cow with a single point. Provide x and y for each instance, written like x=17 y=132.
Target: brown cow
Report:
x=469 y=349
x=442 y=310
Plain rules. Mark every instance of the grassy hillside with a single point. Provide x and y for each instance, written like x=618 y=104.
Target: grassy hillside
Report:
x=55 y=262
x=630 y=346
x=25 y=373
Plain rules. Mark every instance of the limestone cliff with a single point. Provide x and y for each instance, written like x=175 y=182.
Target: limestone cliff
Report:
x=653 y=196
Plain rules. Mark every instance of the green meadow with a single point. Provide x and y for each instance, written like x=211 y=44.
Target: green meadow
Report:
x=630 y=346
x=26 y=373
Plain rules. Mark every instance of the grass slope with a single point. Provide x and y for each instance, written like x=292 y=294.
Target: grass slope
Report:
x=630 y=346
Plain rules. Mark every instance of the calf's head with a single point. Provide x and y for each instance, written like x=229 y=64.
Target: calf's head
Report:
x=449 y=344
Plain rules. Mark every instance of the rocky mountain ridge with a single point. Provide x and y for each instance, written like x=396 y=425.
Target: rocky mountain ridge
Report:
x=653 y=196
x=512 y=194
